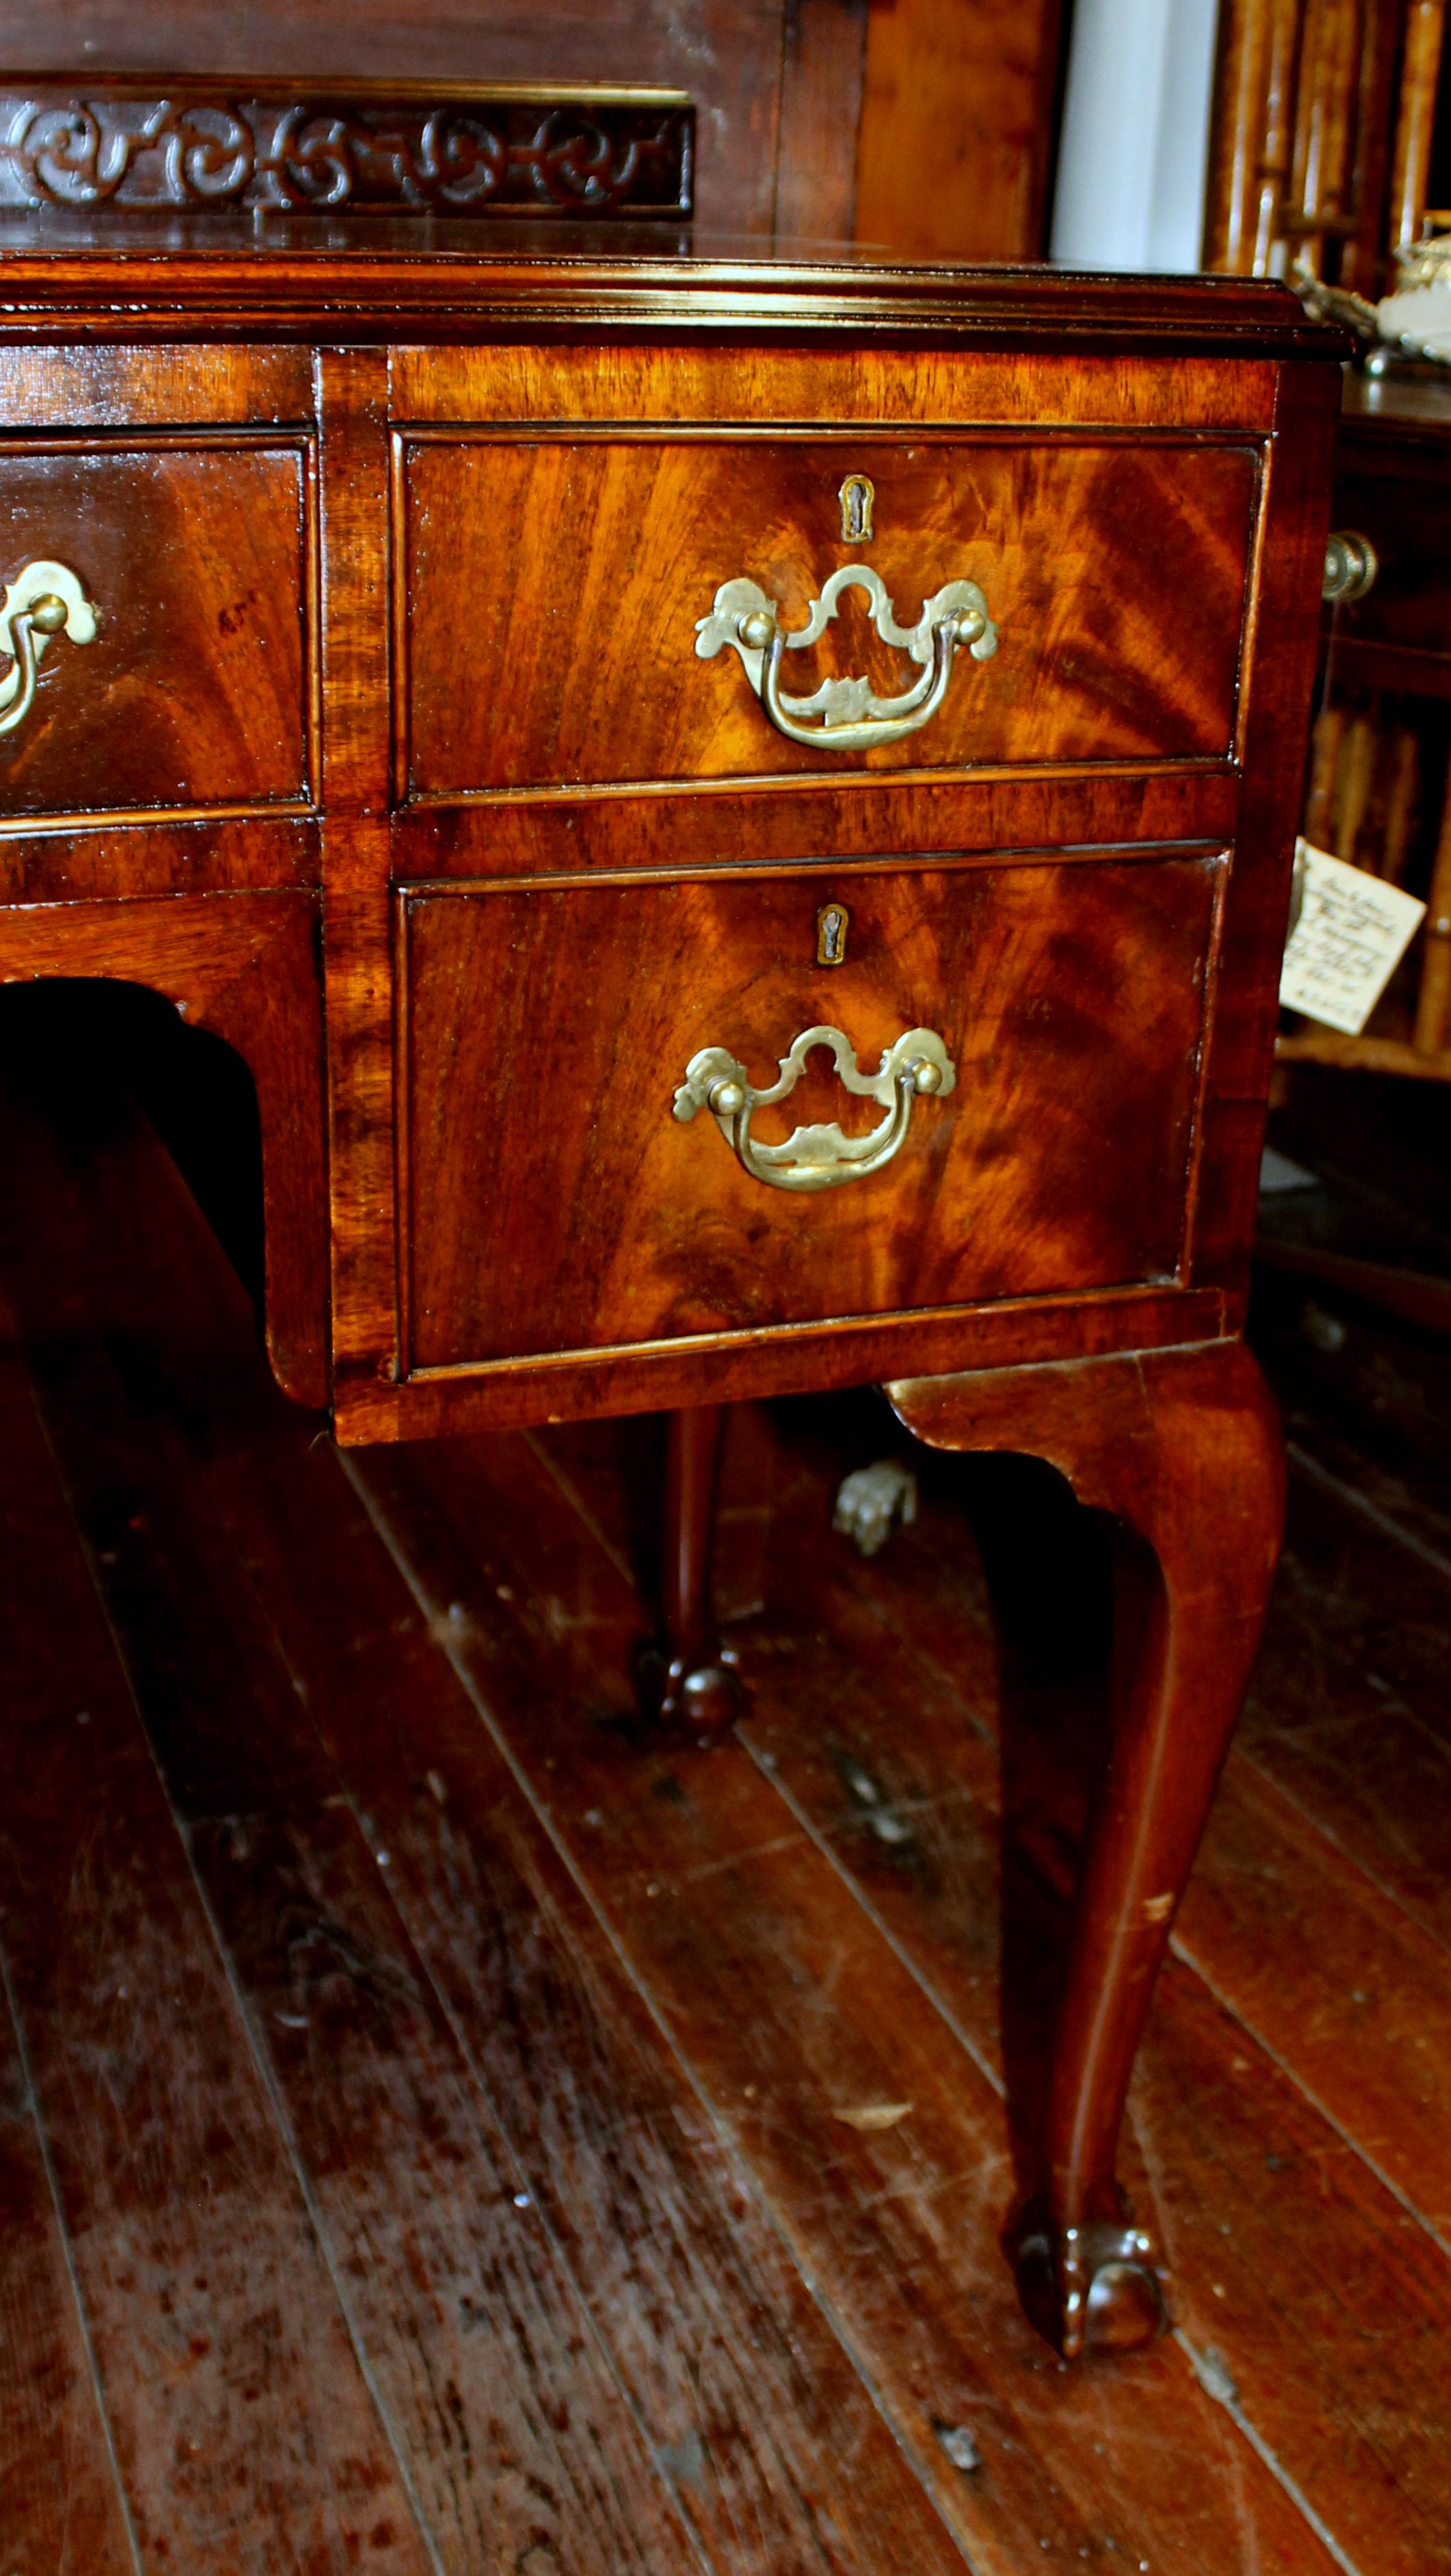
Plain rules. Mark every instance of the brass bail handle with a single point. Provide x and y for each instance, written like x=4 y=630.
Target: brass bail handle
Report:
x=916 y=1067
x=43 y=601
x=851 y=715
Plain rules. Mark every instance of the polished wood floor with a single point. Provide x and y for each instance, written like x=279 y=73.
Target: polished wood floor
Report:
x=445 y=2125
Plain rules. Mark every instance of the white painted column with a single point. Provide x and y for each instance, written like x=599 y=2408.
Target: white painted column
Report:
x=1135 y=141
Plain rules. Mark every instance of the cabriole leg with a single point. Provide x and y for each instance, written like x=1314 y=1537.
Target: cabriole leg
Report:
x=1184 y=1448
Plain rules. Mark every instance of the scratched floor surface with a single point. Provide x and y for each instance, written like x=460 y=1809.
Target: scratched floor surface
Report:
x=446 y=2125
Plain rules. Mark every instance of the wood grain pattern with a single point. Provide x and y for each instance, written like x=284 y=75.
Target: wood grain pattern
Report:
x=1273 y=746
x=891 y=1661
x=195 y=690
x=266 y=2447
x=921 y=1835
x=1082 y=554
x=823 y=59
x=816 y=822
x=1184 y=1449
x=352 y=397
x=55 y=2468
x=970 y=183
x=704 y=1872
x=765 y=381
x=625 y=1225
x=1364 y=1752
x=247 y=1577
x=1276 y=1919
x=513 y=2432
x=114 y=861
x=387 y=286
x=777 y=1359
x=120 y=388
x=1136 y=471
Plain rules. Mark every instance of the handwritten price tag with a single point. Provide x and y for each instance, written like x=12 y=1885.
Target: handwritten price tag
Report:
x=1352 y=933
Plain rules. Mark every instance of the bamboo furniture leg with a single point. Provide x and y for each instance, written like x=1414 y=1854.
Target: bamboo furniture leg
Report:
x=694 y=1678
x=1184 y=1449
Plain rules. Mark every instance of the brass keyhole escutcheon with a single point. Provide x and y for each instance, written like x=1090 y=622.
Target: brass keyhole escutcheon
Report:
x=831 y=929
x=857 y=494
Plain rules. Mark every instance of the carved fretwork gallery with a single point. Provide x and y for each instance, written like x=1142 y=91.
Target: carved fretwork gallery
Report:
x=330 y=147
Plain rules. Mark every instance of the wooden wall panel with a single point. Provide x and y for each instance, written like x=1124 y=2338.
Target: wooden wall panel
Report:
x=823 y=65
x=726 y=53
x=919 y=125
x=957 y=119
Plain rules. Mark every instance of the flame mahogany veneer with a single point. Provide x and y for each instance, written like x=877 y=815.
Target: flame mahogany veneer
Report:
x=393 y=761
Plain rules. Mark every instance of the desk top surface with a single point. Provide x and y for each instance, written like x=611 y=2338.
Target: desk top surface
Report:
x=167 y=276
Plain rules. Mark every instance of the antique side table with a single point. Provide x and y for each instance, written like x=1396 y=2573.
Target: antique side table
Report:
x=739 y=813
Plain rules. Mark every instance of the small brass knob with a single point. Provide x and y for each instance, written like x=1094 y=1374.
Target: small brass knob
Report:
x=1351 y=565
x=48 y=614
x=726 y=1098
x=926 y=1076
x=969 y=624
x=756 y=630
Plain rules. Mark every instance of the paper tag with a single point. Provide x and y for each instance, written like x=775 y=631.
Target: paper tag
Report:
x=1352 y=933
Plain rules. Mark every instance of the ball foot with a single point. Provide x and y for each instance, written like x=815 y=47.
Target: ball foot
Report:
x=1090 y=2289
x=681 y=1690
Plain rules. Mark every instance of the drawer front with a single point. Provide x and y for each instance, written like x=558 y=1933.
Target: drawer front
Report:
x=555 y=1199
x=551 y=598
x=191 y=691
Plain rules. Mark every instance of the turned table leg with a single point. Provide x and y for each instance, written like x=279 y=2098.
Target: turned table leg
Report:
x=695 y=1678
x=1184 y=1449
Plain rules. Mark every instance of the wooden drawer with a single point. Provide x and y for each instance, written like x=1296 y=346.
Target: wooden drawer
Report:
x=550 y=591
x=193 y=692
x=552 y=1201
x=1394 y=491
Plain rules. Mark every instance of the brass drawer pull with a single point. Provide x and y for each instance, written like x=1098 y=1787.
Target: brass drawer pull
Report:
x=817 y=1158
x=1351 y=565
x=42 y=601
x=853 y=718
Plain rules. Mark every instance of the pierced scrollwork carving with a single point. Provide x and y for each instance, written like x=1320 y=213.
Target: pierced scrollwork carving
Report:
x=331 y=151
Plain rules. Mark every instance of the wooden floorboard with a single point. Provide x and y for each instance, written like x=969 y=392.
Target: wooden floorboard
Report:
x=246 y=2438
x=59 y=2499
x=800 y=2020
x=604 y=2139
x=1238 y=2193
x=1283 y=1916
x=1349 y=1711
x=774 y=2437
x=748 y=2409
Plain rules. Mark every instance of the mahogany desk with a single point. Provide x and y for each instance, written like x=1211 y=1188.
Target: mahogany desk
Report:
x=543 y=701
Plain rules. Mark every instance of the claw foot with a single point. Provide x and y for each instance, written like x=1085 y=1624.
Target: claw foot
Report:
x=872 y=1500
x=1092 y=2288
